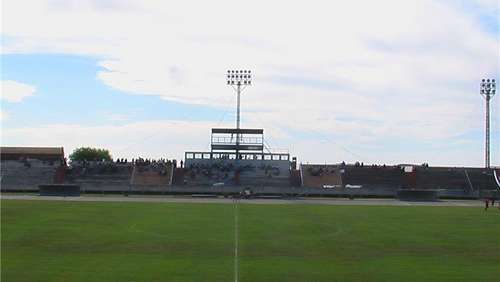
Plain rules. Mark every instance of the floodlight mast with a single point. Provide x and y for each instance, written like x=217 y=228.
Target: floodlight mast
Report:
x=488 y=90
x=239 y=80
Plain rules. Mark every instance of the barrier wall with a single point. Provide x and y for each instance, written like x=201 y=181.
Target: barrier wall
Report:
x=282 y=191
x=62 y=190
x=417 y=195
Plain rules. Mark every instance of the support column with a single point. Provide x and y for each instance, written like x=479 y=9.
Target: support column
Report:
x=238 y=120
x=487 y=128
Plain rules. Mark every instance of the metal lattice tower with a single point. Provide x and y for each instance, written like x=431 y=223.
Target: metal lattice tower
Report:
x=488 y=89
x=239 y=80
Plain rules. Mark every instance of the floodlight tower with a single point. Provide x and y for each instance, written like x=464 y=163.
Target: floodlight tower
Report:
x=239 y=80
x=488 y=89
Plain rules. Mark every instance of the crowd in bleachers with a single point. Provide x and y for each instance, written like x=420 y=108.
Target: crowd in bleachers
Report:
x=223 y=170
x=321 y=170
x=161 y=166
x=121 y=165
x=28 y=162
x=216 y=171
x=352 y=174
x=400 y=176
x=121 y=172
x=320 y=176
x=145 y=162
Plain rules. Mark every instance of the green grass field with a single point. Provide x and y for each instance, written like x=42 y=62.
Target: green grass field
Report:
x=98 y=241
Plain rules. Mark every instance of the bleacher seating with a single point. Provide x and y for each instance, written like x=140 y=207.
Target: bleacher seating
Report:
x=481 y=179
x=100 y=176
x=157 y=174
x=373 y=176
x=205 y=172
x=121 y=176
x=320 y=176
x=441 y=178
x=467 y=179
x=27 y=174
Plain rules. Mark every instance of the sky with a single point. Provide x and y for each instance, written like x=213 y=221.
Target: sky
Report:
x=384 y=82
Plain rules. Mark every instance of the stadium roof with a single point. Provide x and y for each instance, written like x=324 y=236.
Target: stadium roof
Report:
x=240 y=131
x=32 y=152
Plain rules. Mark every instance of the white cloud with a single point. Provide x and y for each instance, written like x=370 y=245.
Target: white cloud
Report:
x=162 y=138
x=170 y=138
x=366 y=71
x=15 y=92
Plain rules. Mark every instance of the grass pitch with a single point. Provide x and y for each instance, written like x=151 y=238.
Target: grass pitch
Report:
x=99 y=241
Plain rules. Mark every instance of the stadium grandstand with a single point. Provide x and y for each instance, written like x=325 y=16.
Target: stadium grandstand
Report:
x=138 y=175
x=237 y=163
x=24 y=168
x=380 y=180
x=99 y=176
x=154 y=174
x=321 y=176
x=236 y=158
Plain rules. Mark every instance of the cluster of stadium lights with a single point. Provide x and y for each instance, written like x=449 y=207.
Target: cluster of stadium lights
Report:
x=488 y=87
x=239 y=77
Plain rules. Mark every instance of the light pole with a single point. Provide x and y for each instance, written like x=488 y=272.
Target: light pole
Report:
x=488 y=89
x=239 y=80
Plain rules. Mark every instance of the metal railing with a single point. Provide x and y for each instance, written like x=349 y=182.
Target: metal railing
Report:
x=242 y=140
x=241 y=156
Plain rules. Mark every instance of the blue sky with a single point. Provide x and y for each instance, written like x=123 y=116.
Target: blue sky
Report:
x=391 y=83
x=67 y=87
